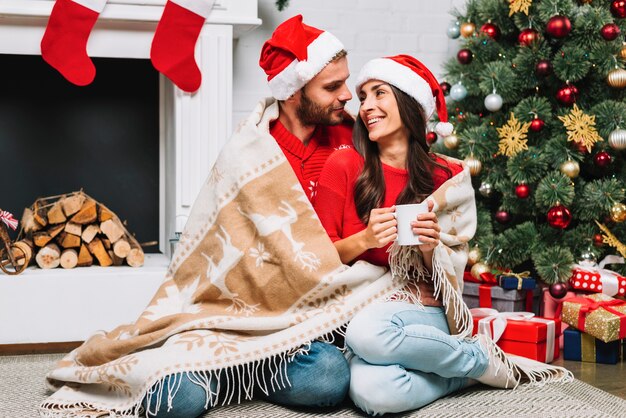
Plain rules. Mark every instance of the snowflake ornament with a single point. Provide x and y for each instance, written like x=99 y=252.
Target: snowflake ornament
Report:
x=512 y=137
x=581 y=128
x=519 y=6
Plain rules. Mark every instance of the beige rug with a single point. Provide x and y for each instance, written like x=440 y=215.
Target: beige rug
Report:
x=22 y=388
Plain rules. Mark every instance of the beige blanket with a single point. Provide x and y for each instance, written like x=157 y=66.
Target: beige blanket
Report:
x=254 y=279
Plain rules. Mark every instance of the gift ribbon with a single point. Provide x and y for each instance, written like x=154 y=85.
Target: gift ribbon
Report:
x=494 y=323
x=588 y=305
x=608 y=278
x=587 y=347
x=520 y=277
x=8 y=219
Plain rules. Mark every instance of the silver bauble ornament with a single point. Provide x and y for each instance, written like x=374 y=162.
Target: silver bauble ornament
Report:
x=451 y=141
x=617 y=139
x=493 y=102
x=570 y=168
x=458 y=92
x=473 y=256
x=454 y=30
x=588 y=257
x=485 y=189
x=617 y=78
x=474 y=164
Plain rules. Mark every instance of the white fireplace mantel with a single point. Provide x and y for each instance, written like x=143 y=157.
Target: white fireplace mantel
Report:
x=193 y=128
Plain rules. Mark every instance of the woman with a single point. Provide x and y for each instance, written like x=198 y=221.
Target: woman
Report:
x=404 y=354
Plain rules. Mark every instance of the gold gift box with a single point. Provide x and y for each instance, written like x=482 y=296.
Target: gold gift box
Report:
x=600 y=323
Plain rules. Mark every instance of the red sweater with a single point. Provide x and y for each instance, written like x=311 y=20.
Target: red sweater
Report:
x=335 y=205
x=307 y=161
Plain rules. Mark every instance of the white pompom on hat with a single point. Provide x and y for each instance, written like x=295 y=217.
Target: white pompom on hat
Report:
x=295 y=54
x=413 y=78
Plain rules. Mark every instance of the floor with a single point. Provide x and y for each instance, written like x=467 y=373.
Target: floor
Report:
x=608 y=377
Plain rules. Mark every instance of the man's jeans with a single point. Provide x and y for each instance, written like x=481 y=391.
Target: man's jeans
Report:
x=318 y=379
x=405 y=358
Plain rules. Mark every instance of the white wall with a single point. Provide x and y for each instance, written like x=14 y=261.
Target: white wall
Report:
x=367 y=28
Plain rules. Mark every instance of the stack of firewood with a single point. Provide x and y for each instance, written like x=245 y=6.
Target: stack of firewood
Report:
x=75 y=230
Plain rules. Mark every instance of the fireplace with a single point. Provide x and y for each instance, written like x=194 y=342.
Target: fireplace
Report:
x=68 y=305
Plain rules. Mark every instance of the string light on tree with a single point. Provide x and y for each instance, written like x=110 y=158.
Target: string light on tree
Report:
x=570 y=168
x=617 y=139
x=559 y=216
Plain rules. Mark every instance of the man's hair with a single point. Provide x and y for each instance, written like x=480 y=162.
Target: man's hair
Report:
x=369 y=189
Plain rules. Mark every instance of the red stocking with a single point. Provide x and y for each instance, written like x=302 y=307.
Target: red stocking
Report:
x=174 y=41
x=64 y=44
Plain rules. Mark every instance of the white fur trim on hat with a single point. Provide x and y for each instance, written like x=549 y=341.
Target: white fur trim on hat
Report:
x=319 y=53
x=401 y=77
x=444 y=128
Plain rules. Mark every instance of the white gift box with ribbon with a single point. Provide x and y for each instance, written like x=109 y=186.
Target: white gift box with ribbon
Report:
x=593 y=277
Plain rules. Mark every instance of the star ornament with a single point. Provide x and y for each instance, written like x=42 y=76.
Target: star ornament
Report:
x=581 y=128
x=512 y=137
x=519 y=6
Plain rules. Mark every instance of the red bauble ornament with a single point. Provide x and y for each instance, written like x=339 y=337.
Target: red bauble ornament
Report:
x=598 y=241
x=558 y=26
x=543 y=68
x=537 y=125
x=430 y=137
x=567 y=94
x=490 y=30
x=559 y=217
x=579 y=146
x=464 y=56
x=558 y=290
x=445 y=87
x=527 y=36
x=610 y=31
x=503 y=216
x=522 y=191
x=618 y=8
x=602 y=159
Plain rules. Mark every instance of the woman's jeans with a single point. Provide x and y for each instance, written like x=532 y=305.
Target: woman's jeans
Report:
x=405 y=358
x=319 y=378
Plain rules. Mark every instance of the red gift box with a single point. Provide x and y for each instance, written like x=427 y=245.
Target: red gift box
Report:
x=598 y=280
x=520 y=333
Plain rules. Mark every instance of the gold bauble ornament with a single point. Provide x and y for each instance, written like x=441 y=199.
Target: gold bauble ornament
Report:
x=467 y=29
x=478 y=269
x=617 y=139
x=474 y=165
x=570 y=168
x=618 y=212
x=617 y=78
x=451 y=141
x=474 y=256
x=622 y=52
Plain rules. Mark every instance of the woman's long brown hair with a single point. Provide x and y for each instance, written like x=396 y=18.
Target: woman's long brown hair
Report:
x=369 y=189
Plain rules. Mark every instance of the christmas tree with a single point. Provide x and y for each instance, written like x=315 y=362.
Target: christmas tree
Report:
x=536 y=94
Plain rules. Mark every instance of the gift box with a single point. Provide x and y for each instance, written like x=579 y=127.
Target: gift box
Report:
x=598 y=314
x=482 y=295
x=580 y=346
x=550 y=305
x=517 y=282
x=523 y=335
x=599 y=281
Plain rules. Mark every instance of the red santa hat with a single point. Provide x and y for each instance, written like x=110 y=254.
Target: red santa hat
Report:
x=295 y=54
x=413 y=78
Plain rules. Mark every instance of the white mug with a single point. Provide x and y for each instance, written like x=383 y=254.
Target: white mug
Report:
x=405 y=214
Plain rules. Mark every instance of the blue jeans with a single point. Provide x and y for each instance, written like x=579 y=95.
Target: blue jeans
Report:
x=319 y=378
x=405 y=358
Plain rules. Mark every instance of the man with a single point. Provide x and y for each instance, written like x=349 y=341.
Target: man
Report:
x=307 y=71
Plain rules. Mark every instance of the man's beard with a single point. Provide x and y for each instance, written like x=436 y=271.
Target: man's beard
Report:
x=310 y=113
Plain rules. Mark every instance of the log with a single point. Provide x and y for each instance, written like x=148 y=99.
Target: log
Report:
x=29 y=225
x=66 y=240
x=135 y=257
x=56 y=215
x=97 y=249
x=104 y=214
x=90 y=232
x=84 y=257
x=72 y=204
x=113 y=229
x=106 y=243
x=40 y=214
x=48 y=257
x=121 y=248
x=26 y=246
x=73 y=228
x=42 y=238
x=69 y=259
x=88 y=213
x=117 y=261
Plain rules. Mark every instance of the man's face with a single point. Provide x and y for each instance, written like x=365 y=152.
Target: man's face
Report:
x=323 y=98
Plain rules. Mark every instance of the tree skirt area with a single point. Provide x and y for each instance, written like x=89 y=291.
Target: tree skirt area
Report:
x=22 y=389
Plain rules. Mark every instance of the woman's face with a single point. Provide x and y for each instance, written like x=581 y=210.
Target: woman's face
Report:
x=379 y=111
